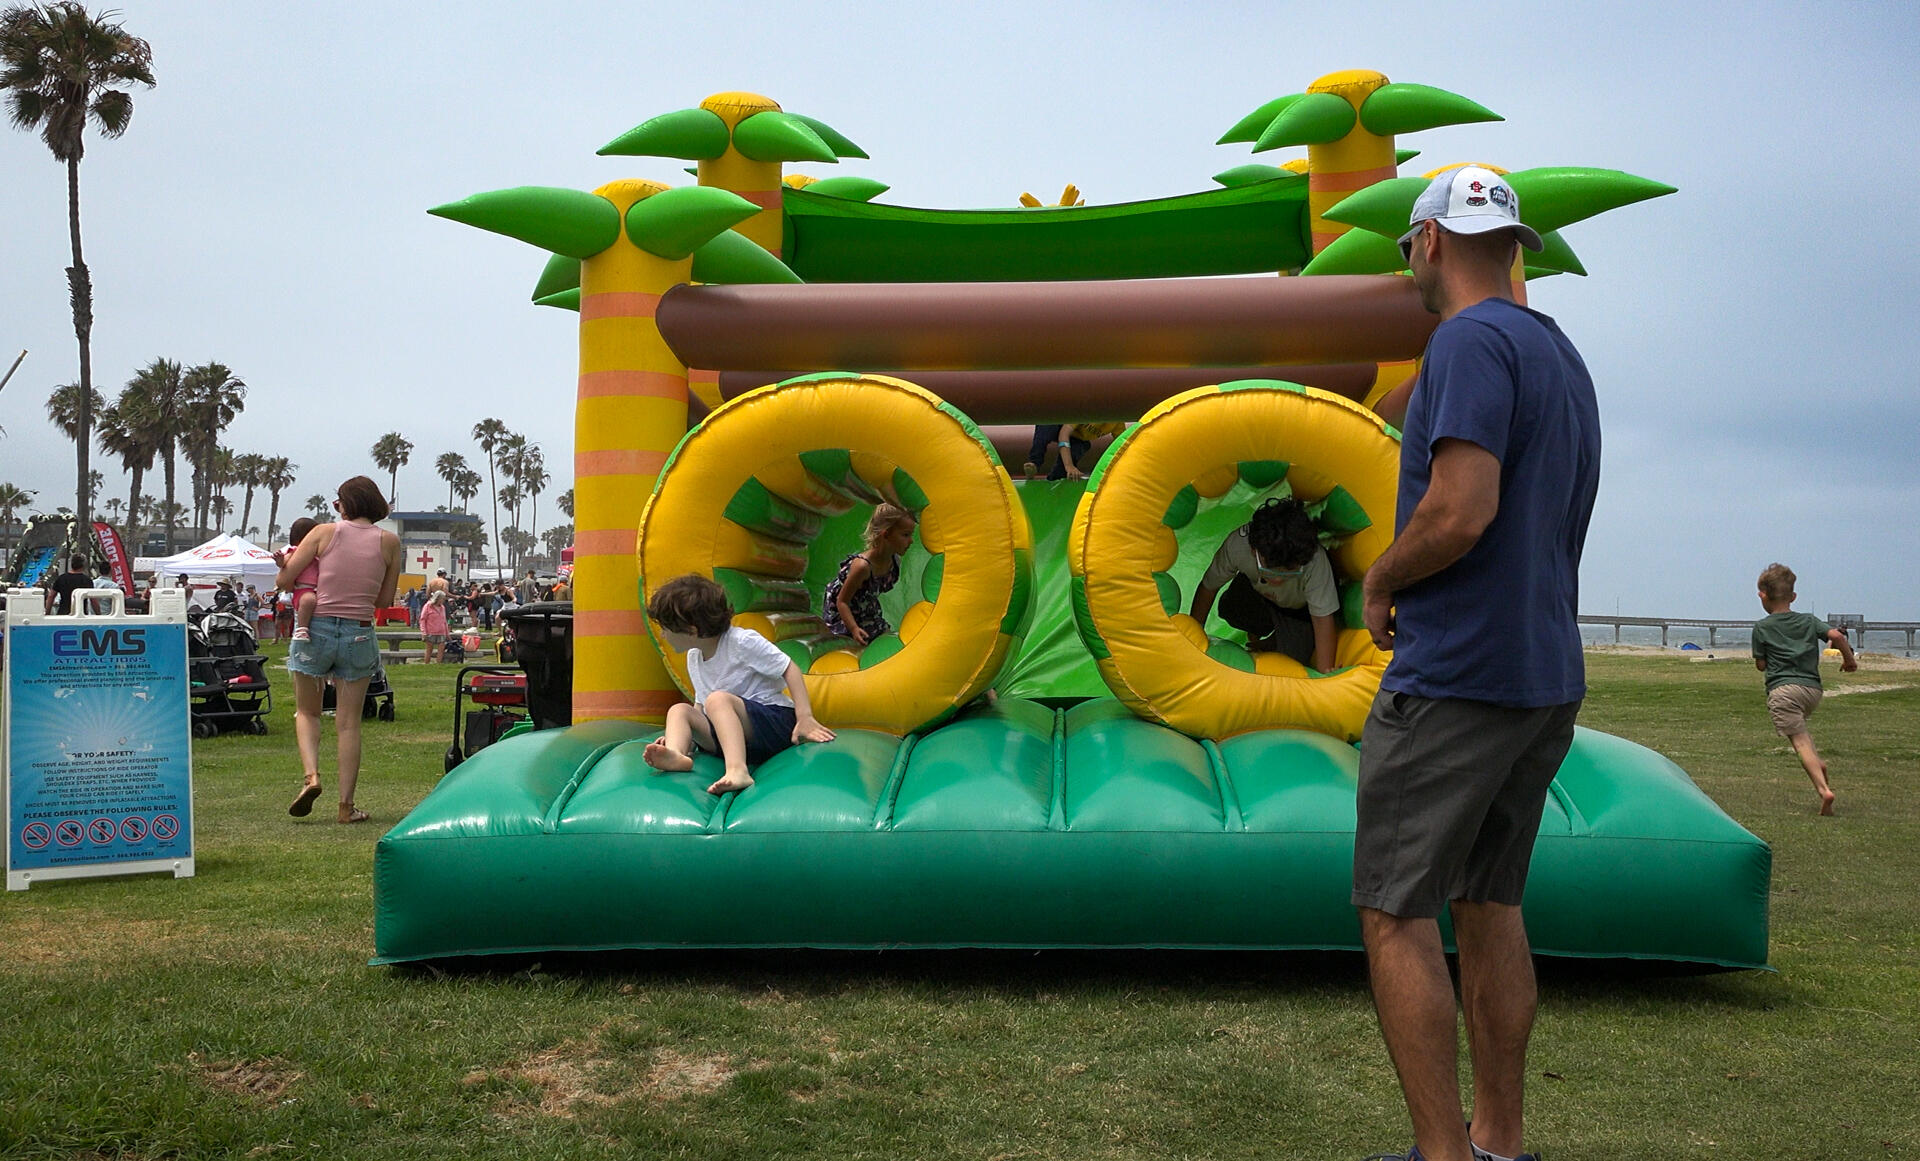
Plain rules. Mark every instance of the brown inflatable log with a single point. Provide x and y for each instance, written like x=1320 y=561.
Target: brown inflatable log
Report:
x=1090 y=395
x=1168 y=322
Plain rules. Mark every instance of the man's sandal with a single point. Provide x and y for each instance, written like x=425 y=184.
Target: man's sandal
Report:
x=349 y=814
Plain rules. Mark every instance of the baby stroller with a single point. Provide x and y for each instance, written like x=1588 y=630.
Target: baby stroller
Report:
x=229 y=688
x=379 y=700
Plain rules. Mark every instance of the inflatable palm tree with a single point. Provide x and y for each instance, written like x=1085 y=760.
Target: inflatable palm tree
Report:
x=630 y=242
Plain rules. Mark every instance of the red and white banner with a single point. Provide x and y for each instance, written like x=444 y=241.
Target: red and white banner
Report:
x=116 y=553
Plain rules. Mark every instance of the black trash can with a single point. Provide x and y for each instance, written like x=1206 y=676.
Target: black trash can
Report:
x=542 y=635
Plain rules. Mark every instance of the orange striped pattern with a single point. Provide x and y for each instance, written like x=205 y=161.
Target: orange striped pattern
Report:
x=622 y=622
x=623 y=462
x=652 y=384
x=618 y=304
x=1346 y=183
x=639 y=704
x=605 y=542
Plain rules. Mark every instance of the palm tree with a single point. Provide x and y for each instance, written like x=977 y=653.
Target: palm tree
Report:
x=565 y=502
x=533 y=478
x=219 y=508
x=211 y=398
x=318 y=506
x=557 y=538
x=58 y=66
x=248 y=470
x=392 y=453
x=115 y=506
x=12 y=498
x=517 y=542
x=448 y=467
x=276 y=477
x=63 y=408
x=488 y=433
x=152 y=405
x=466 y=485
x=121 y=434
x=508 y=455
x=216 y=475
x=510 y=496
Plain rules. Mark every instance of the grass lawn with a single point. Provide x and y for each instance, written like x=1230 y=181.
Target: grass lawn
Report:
x=233 y=1014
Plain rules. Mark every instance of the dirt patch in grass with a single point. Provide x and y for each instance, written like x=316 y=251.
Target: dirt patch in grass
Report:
x=264 y=1081
x=66 y=937
x=1842 y=690
x=582 y=1075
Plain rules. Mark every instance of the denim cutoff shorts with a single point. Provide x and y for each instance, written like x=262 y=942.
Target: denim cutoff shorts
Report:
x=340 y=648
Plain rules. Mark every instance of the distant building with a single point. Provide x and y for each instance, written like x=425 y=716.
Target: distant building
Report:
x=427 y=544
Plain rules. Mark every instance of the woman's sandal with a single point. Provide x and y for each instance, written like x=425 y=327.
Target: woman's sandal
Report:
x=303 y=804
x=349 y=814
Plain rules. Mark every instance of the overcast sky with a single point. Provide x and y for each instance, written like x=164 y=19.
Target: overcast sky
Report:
x=1753 y=337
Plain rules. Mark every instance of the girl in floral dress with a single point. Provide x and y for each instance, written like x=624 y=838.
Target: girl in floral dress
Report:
x=853 y=596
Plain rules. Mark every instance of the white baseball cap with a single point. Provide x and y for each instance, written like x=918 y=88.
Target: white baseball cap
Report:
x=1471 y=200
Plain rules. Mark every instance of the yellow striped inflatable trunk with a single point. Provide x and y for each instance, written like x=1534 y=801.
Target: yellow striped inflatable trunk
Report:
x=631 y=411
x=1356 y=161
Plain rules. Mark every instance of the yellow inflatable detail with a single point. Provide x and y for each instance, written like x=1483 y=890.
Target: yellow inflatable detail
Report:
x=745 y=461
x=1157 y=664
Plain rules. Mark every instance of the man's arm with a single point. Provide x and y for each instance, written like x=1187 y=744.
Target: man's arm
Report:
x=1463 y=497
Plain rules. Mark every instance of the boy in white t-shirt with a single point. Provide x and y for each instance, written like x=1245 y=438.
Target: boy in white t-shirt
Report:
x=749 y=700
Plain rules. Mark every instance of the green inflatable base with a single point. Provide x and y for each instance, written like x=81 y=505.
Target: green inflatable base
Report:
x=1017 y=826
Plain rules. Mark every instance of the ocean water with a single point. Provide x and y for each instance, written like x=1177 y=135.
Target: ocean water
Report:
x=1724 y=640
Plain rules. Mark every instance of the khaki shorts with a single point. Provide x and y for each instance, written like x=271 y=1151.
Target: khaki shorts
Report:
x=1791 y=706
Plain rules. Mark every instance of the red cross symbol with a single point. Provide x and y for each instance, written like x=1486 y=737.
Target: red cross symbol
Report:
x=425 y=559
x=460 y=562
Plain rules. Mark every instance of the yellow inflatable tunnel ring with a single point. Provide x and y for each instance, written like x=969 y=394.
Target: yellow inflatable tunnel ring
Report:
x=744 y=493
x=1335 y=456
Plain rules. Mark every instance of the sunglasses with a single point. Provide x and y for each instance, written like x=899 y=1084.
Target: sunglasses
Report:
x=1408 y=239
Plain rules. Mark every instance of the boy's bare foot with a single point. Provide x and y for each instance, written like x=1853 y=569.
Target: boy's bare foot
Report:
x=1826 y=796
x=734 y=780
x=662 y=757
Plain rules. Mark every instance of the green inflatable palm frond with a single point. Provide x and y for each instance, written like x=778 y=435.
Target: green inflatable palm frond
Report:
x=691 y=134
x=560 y=274
x=733 y=258
x=673 y=223
x=777 y=136
x=565 y=221
x=1314 y=119
x=1403 y=108
x=1382 y=207
x=1254 y=172
x=850 y=187
x=1556 y=196
x=1250 y=127
x=836 y=140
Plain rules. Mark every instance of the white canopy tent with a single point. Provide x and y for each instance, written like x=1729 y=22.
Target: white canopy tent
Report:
x=225 y=555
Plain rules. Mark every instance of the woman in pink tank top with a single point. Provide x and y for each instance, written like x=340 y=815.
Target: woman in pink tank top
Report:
x=359 y=570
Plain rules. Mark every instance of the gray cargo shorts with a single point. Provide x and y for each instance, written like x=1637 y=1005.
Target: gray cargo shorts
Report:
x=1450 y=797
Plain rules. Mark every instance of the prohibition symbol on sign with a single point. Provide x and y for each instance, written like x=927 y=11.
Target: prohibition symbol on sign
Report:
x=35 y=836
x=69 y=833
x=165 y=826
x=101 y=830
x=133 y=829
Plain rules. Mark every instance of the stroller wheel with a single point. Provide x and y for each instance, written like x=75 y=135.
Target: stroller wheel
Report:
x=256 y=727
x=204 y=729
x=454 y=757
x=386 y=711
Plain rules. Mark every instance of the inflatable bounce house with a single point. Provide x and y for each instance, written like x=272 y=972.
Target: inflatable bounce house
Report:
x=1049 y=751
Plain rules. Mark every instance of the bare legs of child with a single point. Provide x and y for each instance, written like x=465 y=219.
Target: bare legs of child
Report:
x=1816 y=769
x=303 y=604
x=721 y=726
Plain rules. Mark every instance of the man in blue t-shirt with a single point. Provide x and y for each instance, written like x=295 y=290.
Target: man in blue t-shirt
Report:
x=1499 y=465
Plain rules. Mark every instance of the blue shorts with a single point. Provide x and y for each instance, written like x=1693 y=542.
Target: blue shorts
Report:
x=769 y=730
x=342 y=649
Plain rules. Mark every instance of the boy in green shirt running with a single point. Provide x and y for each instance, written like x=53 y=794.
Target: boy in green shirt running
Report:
x=1786 y=646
